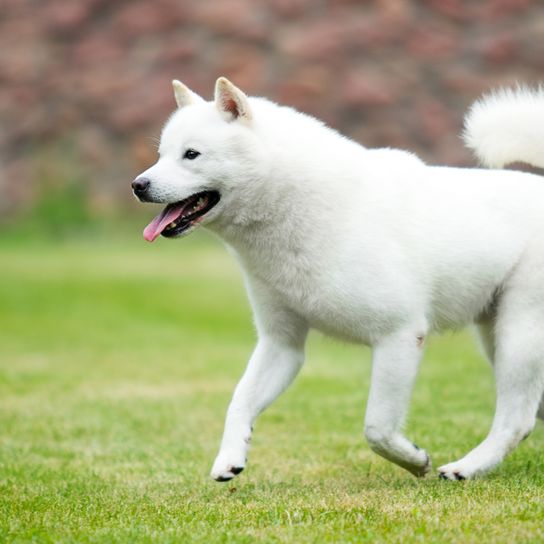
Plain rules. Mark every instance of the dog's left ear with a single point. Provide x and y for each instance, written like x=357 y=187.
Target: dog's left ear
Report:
x=183 y=95
x=231 y=101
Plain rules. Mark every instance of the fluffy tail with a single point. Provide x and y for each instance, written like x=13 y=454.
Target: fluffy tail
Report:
x=507 y=126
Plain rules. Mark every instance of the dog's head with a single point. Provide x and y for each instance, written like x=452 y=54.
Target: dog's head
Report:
x=208 y=153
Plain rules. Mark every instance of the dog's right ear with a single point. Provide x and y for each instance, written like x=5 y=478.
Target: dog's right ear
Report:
x=231 y=102
x=183 y=95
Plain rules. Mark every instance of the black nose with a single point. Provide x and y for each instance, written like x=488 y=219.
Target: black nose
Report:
x=140 y=185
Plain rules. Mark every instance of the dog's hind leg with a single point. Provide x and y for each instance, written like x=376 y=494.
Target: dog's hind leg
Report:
x=519 y=374
x=395 y=363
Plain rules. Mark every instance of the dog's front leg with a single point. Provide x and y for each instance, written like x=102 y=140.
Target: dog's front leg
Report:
x=394 y=367
x=277 y=358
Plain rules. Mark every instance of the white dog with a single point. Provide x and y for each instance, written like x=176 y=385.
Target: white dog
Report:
x=372 y=246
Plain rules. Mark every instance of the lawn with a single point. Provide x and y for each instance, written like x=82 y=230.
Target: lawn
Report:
x=117 y=362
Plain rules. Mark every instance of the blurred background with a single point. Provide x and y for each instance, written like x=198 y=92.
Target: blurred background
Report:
x=85 y=86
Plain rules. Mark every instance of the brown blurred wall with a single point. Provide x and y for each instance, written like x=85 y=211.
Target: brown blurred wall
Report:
x=85 y=85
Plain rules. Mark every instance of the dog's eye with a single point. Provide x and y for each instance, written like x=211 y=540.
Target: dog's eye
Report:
x=191 y=154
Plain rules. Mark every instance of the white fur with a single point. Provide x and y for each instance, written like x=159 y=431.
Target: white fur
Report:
x=505 y=127
x=375 y=247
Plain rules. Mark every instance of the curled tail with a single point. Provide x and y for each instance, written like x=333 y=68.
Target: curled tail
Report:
x=507 y=126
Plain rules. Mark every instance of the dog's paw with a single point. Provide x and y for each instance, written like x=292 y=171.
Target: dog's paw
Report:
x=226 y=467
x=455 y=471
x=420 y=470
x=227 y=474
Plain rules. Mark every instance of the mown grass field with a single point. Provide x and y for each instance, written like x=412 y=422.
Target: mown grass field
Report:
x=117 y=362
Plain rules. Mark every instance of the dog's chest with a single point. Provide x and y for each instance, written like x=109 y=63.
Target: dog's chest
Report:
x=345 y=303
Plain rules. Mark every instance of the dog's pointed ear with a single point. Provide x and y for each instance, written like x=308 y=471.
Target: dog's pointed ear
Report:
x=231 y=102
x=183 y=95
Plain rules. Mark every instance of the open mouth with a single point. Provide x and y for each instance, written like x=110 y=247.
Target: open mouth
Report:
x=181 y=216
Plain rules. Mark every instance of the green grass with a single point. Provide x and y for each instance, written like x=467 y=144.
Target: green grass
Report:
x=117 y=362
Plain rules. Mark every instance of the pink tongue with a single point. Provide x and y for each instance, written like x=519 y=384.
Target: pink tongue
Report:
x=169 y=214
